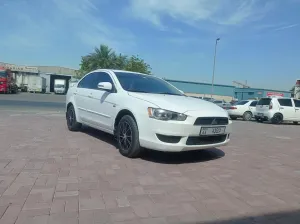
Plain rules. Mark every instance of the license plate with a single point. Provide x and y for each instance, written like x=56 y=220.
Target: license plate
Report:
x=212 y=131
x=260 y=114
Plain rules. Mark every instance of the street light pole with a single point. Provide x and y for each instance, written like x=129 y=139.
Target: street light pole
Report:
x=213 y=76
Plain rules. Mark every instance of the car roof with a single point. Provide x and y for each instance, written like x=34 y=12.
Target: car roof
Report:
x=116 y=70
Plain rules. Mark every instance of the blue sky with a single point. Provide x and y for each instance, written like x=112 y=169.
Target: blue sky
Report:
x=259 y=38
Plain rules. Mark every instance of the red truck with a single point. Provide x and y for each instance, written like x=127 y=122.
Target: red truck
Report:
x=7 y=84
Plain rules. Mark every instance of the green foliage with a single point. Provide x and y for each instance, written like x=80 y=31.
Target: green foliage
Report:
x=104 y=57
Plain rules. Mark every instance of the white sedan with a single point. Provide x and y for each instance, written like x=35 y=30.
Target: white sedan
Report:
x=243 y=109
x=144 y=111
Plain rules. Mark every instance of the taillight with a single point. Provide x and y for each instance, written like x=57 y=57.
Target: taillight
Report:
x=270 y=106
x=232 y=108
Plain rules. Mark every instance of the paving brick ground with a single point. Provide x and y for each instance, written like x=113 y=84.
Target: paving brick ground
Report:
x=50 y=175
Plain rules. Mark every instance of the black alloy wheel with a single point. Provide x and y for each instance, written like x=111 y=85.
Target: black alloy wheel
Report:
x=128 y=137
x=72 y=123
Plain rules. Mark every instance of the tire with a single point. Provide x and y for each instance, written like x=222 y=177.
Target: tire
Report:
x=277 y=119
x=295 y=122
x=72 y=123
x=233 y=118
x=259 y=120
x=127 y=129
x=247 y=116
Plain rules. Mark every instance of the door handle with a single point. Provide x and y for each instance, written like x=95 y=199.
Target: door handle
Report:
x=89 y=96
x=281 y=108
x=296 y=109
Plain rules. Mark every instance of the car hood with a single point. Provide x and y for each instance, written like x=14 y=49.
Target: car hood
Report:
x=179 y=104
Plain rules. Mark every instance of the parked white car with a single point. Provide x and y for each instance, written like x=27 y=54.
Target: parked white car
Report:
x=278 y=110
x=144 y=111
x=243 y=109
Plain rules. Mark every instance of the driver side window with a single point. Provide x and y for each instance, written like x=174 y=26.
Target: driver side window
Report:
x=101 y=77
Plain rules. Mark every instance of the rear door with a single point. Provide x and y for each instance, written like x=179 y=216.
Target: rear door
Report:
x=83 y=97
x=287 y=109
x=263 y=105
x=297 y=109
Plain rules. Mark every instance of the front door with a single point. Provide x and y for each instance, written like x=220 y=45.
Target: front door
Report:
x=104 y=104
x=252 y=106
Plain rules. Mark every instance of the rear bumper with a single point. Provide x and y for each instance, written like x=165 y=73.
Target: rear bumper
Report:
x=264 y=115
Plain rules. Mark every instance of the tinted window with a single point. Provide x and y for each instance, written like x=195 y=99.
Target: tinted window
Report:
x=285 y=102
x=242 y=102
x=297 y=103
x=134 y=82
x=87 y=81
x=101 y=77
x=2 y=74
x=92 y=80
x=264 y=101
x=253 y=104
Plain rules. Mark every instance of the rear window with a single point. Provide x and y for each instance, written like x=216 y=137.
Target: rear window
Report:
x=264 y=101
x=241 y=102
x=285 y=102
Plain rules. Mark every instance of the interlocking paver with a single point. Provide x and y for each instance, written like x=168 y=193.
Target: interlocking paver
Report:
x=50 y=175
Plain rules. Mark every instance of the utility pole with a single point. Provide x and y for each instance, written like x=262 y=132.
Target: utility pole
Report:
x=213 y=76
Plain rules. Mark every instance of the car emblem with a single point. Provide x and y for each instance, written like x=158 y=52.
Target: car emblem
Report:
x=214 y=122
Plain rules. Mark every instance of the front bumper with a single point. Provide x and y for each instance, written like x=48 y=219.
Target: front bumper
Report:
x=175 y=136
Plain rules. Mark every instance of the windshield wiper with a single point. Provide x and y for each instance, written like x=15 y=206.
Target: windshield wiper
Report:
x=173 y=94
x=137 y=91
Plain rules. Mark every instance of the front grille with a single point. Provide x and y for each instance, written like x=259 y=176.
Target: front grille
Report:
x=211 y=121
x=205 y=140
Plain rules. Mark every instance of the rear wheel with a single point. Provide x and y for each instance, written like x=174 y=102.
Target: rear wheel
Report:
x=128 y=137
x=72 y=123
x=247 y=116
x=277 y=119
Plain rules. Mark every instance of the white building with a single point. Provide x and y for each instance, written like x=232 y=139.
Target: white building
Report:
x=21 y=74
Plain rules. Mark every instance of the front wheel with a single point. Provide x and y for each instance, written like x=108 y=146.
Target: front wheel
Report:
x=128 y=137
x=72 y=123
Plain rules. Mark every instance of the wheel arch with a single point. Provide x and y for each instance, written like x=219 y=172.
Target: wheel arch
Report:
x=121 y=114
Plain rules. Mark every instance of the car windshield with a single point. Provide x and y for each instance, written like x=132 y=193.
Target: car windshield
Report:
x=2 y=74
x=59 y=86
x=264 y=101
x=134 y=82
x=241 y=102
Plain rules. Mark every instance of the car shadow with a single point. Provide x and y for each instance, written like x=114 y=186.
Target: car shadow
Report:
x=195 y=156
x=102 y=136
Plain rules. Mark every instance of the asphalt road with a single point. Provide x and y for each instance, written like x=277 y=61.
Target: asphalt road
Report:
x=32 y=102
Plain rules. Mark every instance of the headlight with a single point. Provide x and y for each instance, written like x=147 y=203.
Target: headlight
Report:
x=165 y=115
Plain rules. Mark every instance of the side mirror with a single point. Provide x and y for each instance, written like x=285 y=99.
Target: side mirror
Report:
x=107 y=86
